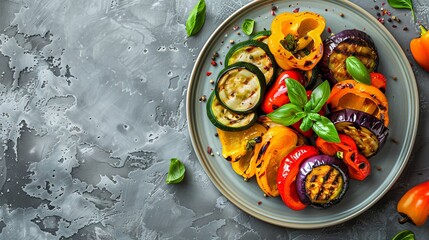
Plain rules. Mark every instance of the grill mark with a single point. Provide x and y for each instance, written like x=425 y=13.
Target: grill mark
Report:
x=263 y=149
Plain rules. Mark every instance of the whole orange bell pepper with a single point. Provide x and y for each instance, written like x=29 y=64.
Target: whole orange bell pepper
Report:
x=420 y=48
x=414 y=204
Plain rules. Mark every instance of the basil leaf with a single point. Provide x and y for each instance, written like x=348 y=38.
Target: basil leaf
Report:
x=326 y=130
x=196 y=18
x=248 y=26
x=306 y=124
x=296 y=92
x=358 y=70
x=319 y=96
x=404 y=235
x=314 y=116
x=404 y=4
x=176 y=173
x=286 y=115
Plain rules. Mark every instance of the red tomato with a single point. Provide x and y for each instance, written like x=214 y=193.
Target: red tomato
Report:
x=378 y=80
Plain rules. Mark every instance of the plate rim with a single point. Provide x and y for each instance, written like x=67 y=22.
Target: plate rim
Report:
x=199 y=150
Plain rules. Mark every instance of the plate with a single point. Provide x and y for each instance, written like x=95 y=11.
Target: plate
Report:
x=387 y=165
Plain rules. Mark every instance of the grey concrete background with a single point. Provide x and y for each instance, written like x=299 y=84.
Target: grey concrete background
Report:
x=93 y=107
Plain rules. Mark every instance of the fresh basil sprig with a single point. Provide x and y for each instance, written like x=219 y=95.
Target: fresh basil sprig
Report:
x=358 y=70
x=248 y=26
x=404 y=4
x=307 y=110
x=176 y=172
x=404 y=235
x=196 y=18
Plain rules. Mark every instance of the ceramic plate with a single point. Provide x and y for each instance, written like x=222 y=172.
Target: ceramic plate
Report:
x=387 y=165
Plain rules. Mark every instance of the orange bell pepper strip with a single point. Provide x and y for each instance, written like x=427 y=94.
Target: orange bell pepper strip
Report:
x=361 y=97
x=414 y=204
x=420 y=48
x=296 y=41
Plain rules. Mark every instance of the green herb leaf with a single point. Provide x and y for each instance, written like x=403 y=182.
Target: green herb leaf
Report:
x=314 y=116
x=248 y=26
x=296 y=92
x=404 y=235
x=404 y=4
x=306 y=124
x=290 y=43
x=319 y=96
x=196 y=18
x=286 y=115
x=357 y=70
x=176 y=173
x=326 y=130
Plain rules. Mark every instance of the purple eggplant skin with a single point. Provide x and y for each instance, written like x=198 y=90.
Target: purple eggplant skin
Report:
x=350 y=118
x=315 y=161
x=349 y=42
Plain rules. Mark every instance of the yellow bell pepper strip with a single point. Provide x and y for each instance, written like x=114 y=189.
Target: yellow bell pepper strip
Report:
x=420 y=48
x=276 y=143
x=295 y=40
x=358 y=96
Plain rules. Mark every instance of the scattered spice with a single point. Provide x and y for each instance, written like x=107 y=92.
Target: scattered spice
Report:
x=395 y=78
x=273 y=10
x=209 y=150
x=203 y=98
x=405 y=29
x=259 y=202
x=213 y=63
x=211 y=81
x=296 y=10
x=378 y=168
x=231 y=41
x=341 y=14
x=216 y=135
x=208 y=73
x=235 y=28
x=329 y=30
x=394 y=140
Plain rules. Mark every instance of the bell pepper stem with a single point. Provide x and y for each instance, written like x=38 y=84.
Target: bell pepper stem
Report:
x=423 y=30
x=404 y=219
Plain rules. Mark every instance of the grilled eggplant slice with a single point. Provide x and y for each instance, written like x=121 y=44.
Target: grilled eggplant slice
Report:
x=350 y=42
x=322 y=181
x=369 y=132
x=256 y=53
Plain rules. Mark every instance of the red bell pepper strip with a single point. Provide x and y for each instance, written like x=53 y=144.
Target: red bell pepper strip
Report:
x=276 y=96
x=358 y=165
x=378 y=80
x=286 y=175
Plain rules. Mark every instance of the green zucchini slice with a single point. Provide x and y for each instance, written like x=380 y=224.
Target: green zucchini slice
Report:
x=240 y=87
x=226 y=120
x=261 y=36
x=254 y=52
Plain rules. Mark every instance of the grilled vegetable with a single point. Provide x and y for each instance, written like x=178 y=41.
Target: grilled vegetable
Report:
x=276 y=96
x=358 y=166
x=296 y=41
x=240 y=87
x=261 y=36
x=276 y=143
x=226 y=120
x=256 y=53
x=358 y=96
x=368 y=132
x=322 y=181
x=311 y=77
x=339 y=47
x=286 y=175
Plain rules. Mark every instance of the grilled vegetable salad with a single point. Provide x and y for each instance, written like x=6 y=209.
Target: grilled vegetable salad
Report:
x=278 y=120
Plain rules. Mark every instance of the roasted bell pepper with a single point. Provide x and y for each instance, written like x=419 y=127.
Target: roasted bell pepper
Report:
x=358 y=96
x=276 y=96
x=378 y=80
x=295 y=40
x=420 y=48
x=358 y=165
x=276 y=143
x=414 y=204
x=287 y=173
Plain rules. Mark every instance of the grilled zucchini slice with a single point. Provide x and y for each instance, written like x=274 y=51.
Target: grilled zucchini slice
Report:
x=240 y=87
x=254 y=52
